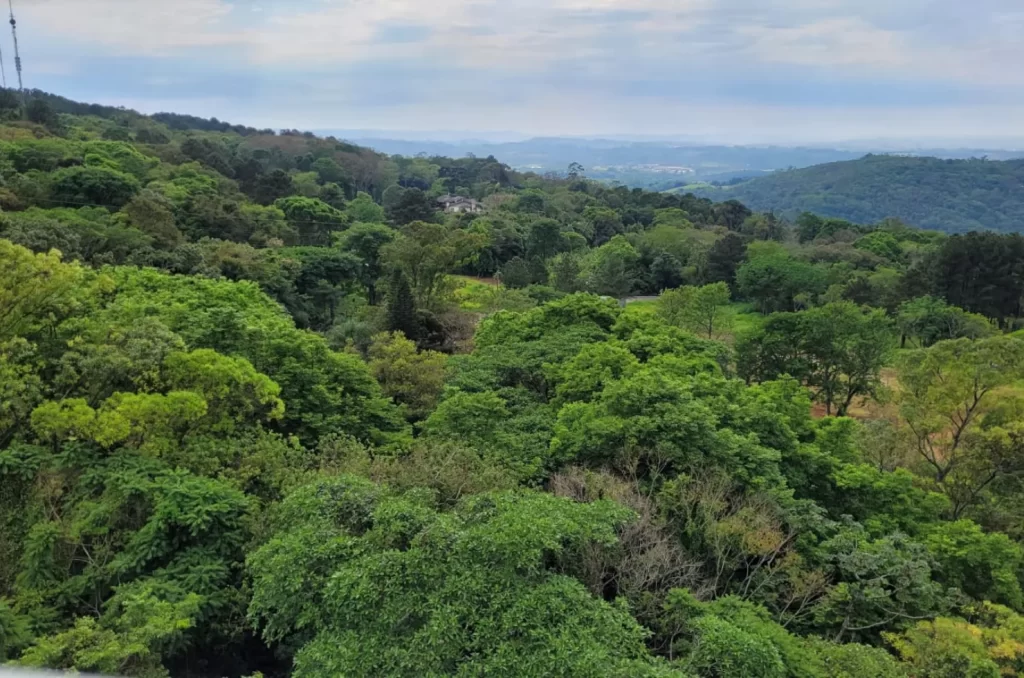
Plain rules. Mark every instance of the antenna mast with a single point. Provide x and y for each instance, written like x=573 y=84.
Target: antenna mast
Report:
x=3 y=71
x=17 y=55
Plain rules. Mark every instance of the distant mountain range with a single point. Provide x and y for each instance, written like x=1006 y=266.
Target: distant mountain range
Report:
x=658 y=165
x=942 y=194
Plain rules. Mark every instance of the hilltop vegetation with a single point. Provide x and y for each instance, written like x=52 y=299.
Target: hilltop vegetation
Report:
x=954 y=196
x=254 y=421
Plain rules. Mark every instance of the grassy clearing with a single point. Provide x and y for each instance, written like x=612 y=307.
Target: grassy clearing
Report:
x=744 y=319
x=642 y=308
x=486 y=295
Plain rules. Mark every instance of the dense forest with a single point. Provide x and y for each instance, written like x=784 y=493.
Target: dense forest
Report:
x=267 y=409
x=954 y=196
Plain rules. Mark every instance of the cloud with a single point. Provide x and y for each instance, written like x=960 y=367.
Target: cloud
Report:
x=676 y=60
x=133 y=27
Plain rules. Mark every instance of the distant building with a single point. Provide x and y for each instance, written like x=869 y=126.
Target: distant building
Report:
x=457 y=204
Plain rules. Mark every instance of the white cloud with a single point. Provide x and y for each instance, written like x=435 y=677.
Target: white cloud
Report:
x=557 y=66
x=137 y=27
x=531 y=35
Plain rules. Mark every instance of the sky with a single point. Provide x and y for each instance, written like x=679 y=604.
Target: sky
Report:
x=739 y=71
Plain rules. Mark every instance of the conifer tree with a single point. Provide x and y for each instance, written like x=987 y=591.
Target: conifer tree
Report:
x=401 y=315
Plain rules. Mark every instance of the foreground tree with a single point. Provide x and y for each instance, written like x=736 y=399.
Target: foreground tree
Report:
x=947 y=392
x=837 y=350
x=366 y=584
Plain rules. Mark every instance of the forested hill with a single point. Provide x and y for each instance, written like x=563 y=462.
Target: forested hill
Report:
x=276 y=405
x=954 y=196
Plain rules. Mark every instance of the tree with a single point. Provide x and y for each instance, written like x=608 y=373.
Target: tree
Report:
x=313 y=219
x=269 y=188
x=672 y=216
x=40 y=112
x=516 y=274
x=764 y=226
x=544 y=240
x=930 y=320
x=364 y=210
x=366 y=240
x=604 y=224
x=36 y=290
x=775 y=280
x=666 y=272
x=334 y=195
x=132 y=644
x=401 y=307
x=413 y=378
x=731 y=214
x=946 y=391
x=487 y=578
x=837 y=350
x=330 y=172
x=611 y=269
x=725 y=258
x=10 y=103
x=153 y=214
x=982 y=273
x=427 y=253
x=882 y=243
x=468 y=418
x=945 y=648
x=880 y=582
x=322 y=390
x=565 y=272
x=990 y=644
x=414 y=205
x=701 y=310
x=100 y=186
x=984 y=566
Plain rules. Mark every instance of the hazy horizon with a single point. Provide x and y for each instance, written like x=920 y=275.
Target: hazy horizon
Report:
x=507 y=136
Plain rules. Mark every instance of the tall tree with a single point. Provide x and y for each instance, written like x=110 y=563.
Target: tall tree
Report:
x=982 y=273
x=837 y=350
x=946 y=394
x=427 y=253
x=725 y=258
x=401 y=316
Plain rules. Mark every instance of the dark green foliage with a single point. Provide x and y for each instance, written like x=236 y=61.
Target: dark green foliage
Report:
x=776 y=281
x=313 y=219
x=99 y=186
x=725 y=258
x=954 y=196
x=40 y=112
x=413 y=205
x=516 y=274
x=412 y=590
x=982 y=273
x=666 y=272
x=401 y=307
x=269 y=188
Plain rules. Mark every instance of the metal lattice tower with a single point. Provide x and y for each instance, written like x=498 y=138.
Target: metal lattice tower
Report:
x=3 y=71
x=17 y=55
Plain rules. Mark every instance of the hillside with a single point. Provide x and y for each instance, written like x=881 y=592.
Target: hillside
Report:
x=954 y=196
x=268 y=408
